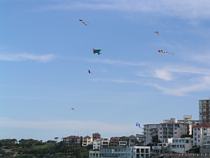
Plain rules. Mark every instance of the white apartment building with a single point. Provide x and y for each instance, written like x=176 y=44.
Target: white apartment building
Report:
x=172 y=129
x=104 y=142
x=122 y=152
x=200 y=134
x=180 y=145
x=97 y=144
x=87 y=140
x=205 y=148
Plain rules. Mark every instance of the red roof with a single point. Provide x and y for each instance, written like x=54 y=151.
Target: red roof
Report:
x=202 y=125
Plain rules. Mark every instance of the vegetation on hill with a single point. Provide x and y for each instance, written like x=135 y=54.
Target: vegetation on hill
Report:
x=30 y=148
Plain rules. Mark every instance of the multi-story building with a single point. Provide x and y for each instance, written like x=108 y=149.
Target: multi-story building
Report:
x=188 y=120
x=123 y=141
x=200 y=134
x=94 y=154
x=140 y=139
x=122 y=152
x=87 y=140
x=72 y=140
x=205 y=148
x=104 y=142
x=204 y=111
x=114 y=141
x=177 y=145
x=180 y=145
x=132 y=140
x=151 y=133
x=96 y=136
x=100 y=143
x=97 y=144
x=172 y=129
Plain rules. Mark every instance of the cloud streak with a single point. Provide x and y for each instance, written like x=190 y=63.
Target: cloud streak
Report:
x=115 y=62
x=198 y=80
x=26 y=57
x=202 y=85
x=176 y=80
x=118 y=81
x=184 y=8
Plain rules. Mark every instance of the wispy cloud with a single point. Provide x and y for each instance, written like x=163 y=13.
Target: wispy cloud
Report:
x=118 y=81
x=183 y=8
x=170 y=72
x=163 y=74
x=181 y=79
x=26 y=57
x=202 y=58
x=116 y=62
x=202 y=85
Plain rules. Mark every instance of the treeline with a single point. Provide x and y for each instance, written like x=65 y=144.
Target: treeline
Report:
x=30 y=148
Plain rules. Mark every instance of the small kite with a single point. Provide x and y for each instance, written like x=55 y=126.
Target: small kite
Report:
x=96 y=51
x=157 y=33
x=138 y=124
x=89 y=71
x=83 y=22
x=163 y=52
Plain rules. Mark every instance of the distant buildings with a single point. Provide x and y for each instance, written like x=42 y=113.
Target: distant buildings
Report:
x=169 y=136
x=122 y=152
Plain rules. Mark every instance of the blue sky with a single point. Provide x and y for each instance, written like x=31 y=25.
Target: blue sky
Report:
x=45 y=54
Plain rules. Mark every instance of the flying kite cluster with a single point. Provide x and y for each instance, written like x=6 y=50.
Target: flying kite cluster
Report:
x=161 y=51
x=97 y=51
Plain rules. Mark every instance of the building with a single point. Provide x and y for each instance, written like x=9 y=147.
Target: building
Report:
x=87 y=140
x=151 y=133
x=133 y=141
x=123 y=141
x=122 y=152
x=204 y=111
x=94 y=154
x=96 y=136
x=188 y=120
x=114 y=141
x=172 y=129
x=176 y=145
x=97 y=144
x=104 y=143
x=205 y=148
x=180 y=145
x=72 y=140
x=200 y=134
